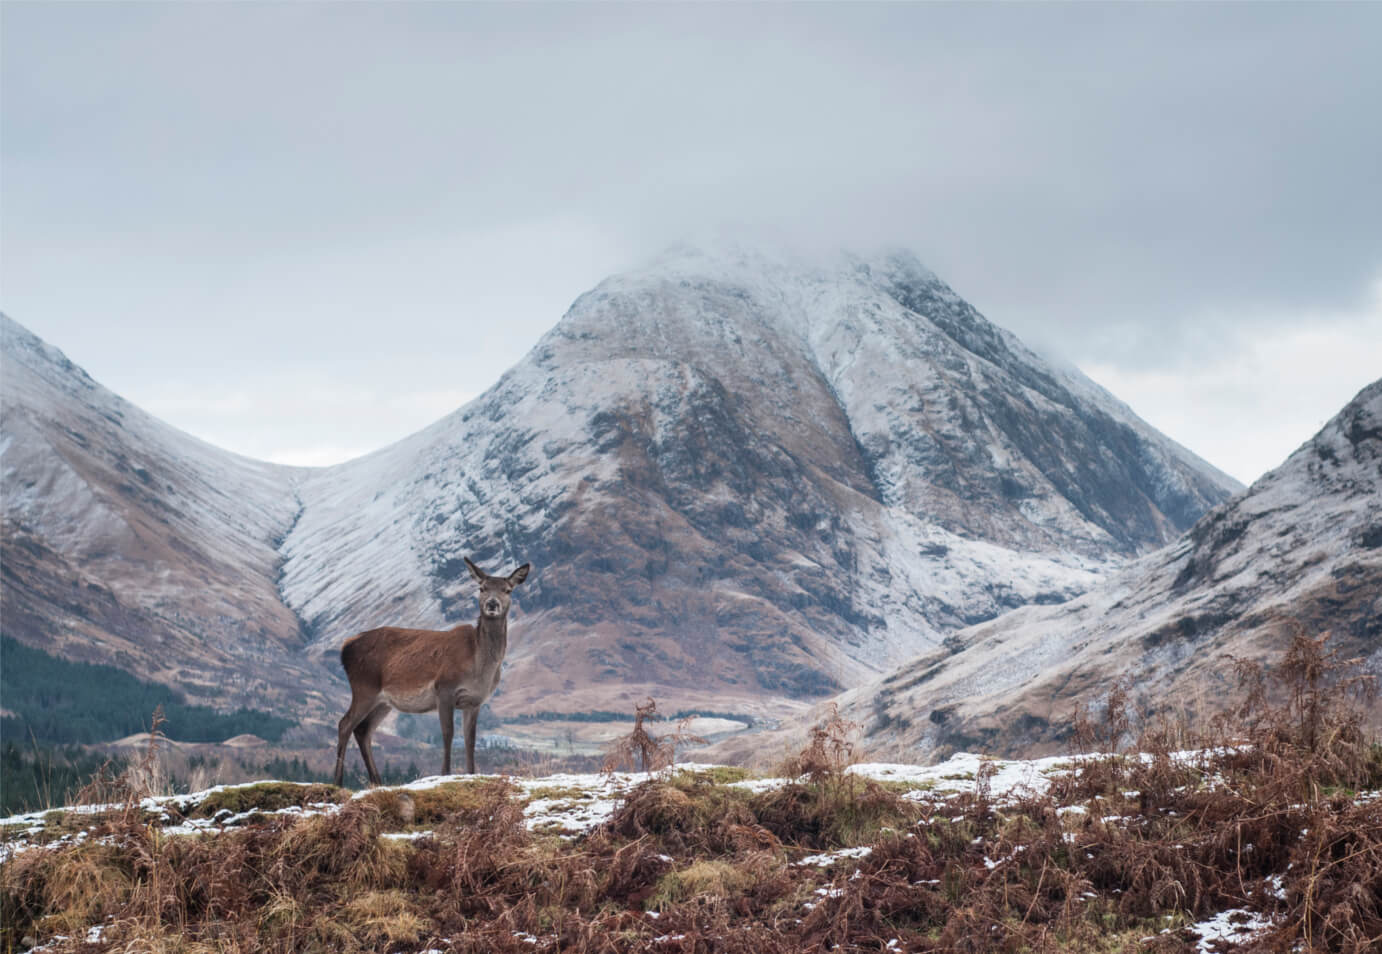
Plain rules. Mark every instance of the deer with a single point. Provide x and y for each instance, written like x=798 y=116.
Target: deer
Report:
x=425 y=670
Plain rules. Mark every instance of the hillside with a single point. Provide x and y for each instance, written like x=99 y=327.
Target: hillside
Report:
x=1269 y=843
x=1301 y=548
x=128 y=542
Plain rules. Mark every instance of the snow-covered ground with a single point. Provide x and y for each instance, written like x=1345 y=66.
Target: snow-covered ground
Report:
x=569 y=805
x=576 y=803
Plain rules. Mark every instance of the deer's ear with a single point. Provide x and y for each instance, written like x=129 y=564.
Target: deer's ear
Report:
x=475 y=571
x=520 y=574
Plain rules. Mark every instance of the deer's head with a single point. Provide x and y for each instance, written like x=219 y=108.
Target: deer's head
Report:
x=495 y=590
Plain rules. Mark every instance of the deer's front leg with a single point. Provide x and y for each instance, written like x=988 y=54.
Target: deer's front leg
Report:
x=469 y=718
x=447 y=713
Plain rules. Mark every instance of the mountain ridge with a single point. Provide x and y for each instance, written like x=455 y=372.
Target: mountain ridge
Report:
x=123 y=544
x=1301 y=547
x=737 y=482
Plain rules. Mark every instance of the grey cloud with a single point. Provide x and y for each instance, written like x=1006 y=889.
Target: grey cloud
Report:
x=1108 y=180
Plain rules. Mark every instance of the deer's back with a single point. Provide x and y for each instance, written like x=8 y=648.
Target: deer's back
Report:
x=394 y=656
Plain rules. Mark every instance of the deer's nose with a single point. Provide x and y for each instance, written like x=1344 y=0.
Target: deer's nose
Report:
x=492 y=605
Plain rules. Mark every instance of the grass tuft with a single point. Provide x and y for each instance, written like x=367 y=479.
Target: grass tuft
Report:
x=385 y=918
x=701 y=879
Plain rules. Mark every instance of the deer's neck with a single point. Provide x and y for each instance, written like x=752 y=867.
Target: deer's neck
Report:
x=493 y=636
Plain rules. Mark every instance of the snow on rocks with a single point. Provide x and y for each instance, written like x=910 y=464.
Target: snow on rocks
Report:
x=583 y=802
x=1234 y=927
x=826 y=859
x=1276 y=550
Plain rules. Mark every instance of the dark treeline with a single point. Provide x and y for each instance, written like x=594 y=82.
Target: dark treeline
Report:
x=45 y=778
x=55 y=702
x=295 y=769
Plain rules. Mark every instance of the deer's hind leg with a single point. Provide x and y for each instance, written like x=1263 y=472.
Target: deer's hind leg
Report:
x=363 y=731
x=360 y=709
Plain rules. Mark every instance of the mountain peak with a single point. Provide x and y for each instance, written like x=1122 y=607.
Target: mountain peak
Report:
x=743 y=473
x=24 y=348
x=706 y=295
x=729 y=257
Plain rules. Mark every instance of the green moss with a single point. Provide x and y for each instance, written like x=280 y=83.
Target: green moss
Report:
x=437 y=804
x=719 y=774
x=567 y=792
x=709 y=801
x=266 y=797
x=840 y=812
x=903 y=786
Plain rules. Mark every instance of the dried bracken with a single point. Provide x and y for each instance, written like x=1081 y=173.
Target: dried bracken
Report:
x=651 y=753
x=1273 y=815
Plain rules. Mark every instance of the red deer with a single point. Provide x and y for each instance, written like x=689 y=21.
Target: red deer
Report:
x=421 y=670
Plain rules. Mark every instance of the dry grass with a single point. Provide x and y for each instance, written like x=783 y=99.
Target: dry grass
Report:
x=1135 y=844
x=384 y=919
x=707 y=879
x=426 y=808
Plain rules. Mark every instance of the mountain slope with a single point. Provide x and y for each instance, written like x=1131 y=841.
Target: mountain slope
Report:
x=1303 y=546
x=129 y=542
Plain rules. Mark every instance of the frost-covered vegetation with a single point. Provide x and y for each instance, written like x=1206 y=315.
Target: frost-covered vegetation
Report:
x=1265 y=830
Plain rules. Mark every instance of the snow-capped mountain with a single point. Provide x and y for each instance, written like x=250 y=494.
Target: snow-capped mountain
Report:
x=738 y=476
x=1301 y=547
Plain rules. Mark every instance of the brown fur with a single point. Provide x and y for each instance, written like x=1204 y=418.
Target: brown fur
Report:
x=389 y=654
x=425 y=670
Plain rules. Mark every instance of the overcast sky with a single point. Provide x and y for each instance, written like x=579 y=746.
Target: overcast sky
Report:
x=302 y=231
